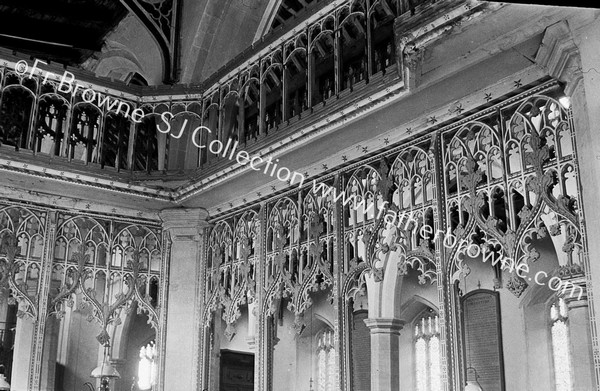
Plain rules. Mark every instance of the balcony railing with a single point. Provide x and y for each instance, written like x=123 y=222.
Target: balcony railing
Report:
x=282 y=81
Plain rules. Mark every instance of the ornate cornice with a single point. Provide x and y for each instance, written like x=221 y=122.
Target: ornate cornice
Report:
x=112 y=185
x=84 y=206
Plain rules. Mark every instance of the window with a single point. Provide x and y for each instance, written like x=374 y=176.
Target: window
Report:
x=560 y=346
x=427 y=354
x=327 y=377
x=147 y=367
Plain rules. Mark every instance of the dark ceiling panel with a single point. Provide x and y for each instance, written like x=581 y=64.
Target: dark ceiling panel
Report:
x=65 y=31
x=289 y=9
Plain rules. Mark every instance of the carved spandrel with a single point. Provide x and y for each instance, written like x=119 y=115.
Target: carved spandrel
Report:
x=10 y=269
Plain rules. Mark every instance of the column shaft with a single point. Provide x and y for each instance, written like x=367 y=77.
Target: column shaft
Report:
x=22 y=354
x=184 y=227
x=581 y=345
x=385 y=357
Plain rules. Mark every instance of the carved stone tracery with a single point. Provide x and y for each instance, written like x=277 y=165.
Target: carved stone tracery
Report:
x=539 y=170
x=76 y=265
x=503 y=179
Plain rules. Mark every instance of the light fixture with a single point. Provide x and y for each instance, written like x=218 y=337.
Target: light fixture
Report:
x=105 y=372
x=4 y=384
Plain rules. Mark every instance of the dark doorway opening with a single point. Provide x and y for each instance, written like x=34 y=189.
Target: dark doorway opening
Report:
x=237 y=371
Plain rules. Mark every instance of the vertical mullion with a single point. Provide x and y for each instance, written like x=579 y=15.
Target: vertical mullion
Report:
x=32 y=121
x=311 y=66
x=285 y=86
x=337 y=55
x=369 y=38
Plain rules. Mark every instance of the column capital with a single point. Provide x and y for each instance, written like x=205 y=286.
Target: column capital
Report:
x=184 y=223
x=573 y=285
x=385 y=325
x=574 y=294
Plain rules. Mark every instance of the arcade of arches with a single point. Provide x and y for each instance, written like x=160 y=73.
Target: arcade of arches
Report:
x=126 y=246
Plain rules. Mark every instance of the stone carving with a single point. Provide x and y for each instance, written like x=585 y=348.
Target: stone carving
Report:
x=493 y=180
x=516 y=286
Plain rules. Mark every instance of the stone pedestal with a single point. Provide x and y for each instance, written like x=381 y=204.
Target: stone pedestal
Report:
x=385 y=353
x=184 y=227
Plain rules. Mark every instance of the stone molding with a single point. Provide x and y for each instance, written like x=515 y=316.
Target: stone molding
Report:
x=251 y=341
x=559 y=56
x=571 y=296
x=184 y=224
x=385 y=325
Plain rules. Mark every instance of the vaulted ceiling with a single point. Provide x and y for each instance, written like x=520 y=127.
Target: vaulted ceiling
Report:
x=65 y=31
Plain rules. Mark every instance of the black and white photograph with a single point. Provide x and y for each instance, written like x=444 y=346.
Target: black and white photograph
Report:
x=299 y=195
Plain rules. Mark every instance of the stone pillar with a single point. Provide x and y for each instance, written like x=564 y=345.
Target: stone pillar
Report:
x=581 y=342
x=569 y=53
x=180 y=364
x=583 y=86
x=22 y=353
x=385 y=357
